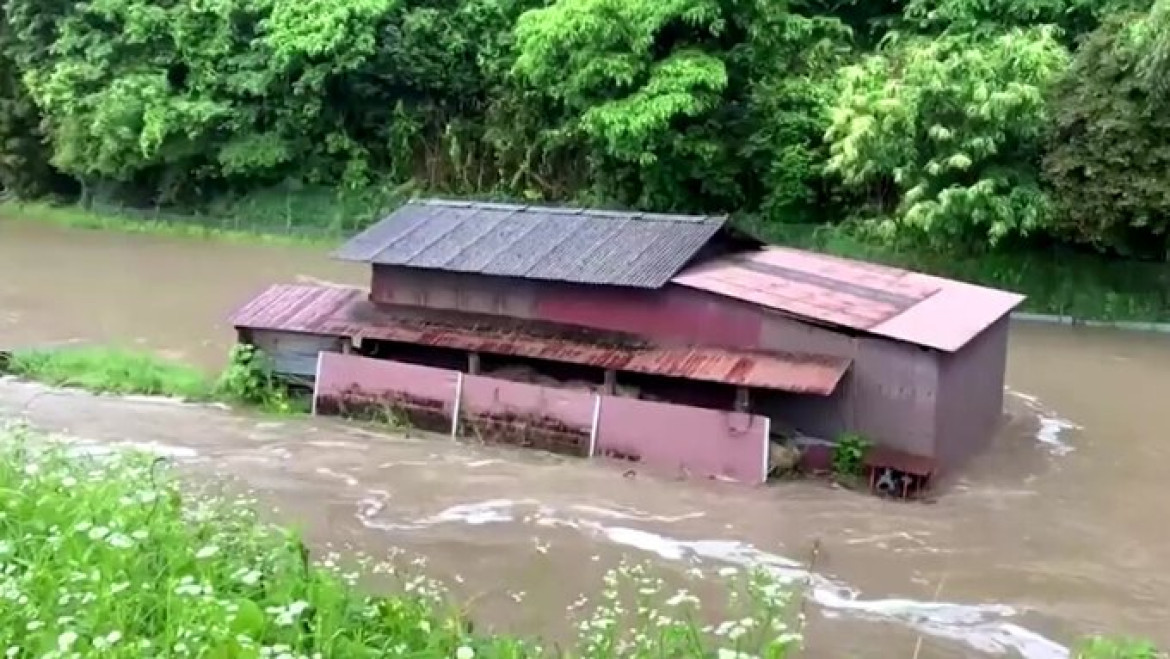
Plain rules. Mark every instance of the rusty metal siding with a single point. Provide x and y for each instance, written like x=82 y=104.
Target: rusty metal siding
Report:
x=674 y=315
x=970 y=405
x=894 y=389
x=495 y=296
x=888 y=395
x=814 y=374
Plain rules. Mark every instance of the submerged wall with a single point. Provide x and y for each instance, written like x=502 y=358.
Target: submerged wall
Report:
x=662 y=437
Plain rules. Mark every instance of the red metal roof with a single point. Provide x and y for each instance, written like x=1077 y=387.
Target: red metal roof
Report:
x=345 y=312
x=897 y=304
x=295 y=308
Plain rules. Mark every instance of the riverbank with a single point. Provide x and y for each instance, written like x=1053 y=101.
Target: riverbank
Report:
x=245 y=380
x=96 y=545
x=1064 y=286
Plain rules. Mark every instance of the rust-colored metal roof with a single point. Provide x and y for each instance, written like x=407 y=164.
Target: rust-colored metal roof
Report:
x=897 y=304
x=295 y=308
x=345 y=312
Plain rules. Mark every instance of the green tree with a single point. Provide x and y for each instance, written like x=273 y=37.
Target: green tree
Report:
x=1109 y=160
x=943 y=135
x=661 y=93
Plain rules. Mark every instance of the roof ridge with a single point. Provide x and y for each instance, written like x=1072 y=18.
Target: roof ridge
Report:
x=551 y=209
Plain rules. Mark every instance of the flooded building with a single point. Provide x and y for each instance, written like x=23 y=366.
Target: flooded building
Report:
x=678 y=310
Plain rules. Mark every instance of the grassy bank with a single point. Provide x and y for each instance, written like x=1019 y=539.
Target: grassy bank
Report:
x=230 y=230
x=246 y=380
x=105 y=556
x=1059 y=282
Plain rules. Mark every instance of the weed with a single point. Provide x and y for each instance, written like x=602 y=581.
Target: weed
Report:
x=111 y=370
x=104 y=555
x=250 y=379
x=849 y=455
x=1116 y=648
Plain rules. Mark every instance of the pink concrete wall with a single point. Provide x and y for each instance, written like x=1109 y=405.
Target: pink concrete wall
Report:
x=484 y=395
x=658 y=436
x=339 y=374
x=688 y=440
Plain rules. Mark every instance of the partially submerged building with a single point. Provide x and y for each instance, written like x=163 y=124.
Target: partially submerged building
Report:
x=677 y=309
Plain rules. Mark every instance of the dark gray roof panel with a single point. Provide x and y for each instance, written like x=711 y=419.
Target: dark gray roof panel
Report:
x=563 y=244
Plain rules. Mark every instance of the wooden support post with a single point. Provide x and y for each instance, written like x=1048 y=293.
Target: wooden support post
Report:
x=610 y=386
x=473 y=363
x=742 y=399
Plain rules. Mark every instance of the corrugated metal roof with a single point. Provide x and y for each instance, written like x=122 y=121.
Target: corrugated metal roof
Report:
x=345 y=312
x=535 y=242
x=295 y=307
x=897 y=304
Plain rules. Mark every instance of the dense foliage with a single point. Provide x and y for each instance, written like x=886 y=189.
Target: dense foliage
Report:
x=969 y=123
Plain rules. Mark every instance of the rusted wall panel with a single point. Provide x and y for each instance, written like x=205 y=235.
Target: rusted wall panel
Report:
x=673 y=315
x=888 y=394
x=970 y=406
x=684 y=439
x=517 y=413
x=375 y=388
x=894 y=388
x=498 y=296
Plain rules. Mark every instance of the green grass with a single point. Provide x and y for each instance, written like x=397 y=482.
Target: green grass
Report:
x=112 y=371
x=247 y=380
x=193 y=227
x=107 y=556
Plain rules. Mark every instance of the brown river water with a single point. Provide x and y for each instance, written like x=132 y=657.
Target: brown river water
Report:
x=1058 y=531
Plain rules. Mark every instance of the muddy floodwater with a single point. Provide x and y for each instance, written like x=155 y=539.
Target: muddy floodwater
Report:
x=1059 y=531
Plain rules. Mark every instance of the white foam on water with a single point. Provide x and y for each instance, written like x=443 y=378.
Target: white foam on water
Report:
x=345 y=478
x=982 y=627
x=1052 y=428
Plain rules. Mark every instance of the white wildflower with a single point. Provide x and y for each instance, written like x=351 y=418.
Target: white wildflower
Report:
x=65 y=641
x=120 y=541
x=464 y=652
x=207 y=552
x=107 y=641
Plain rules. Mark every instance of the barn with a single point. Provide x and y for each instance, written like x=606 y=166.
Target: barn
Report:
x=680 y=310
